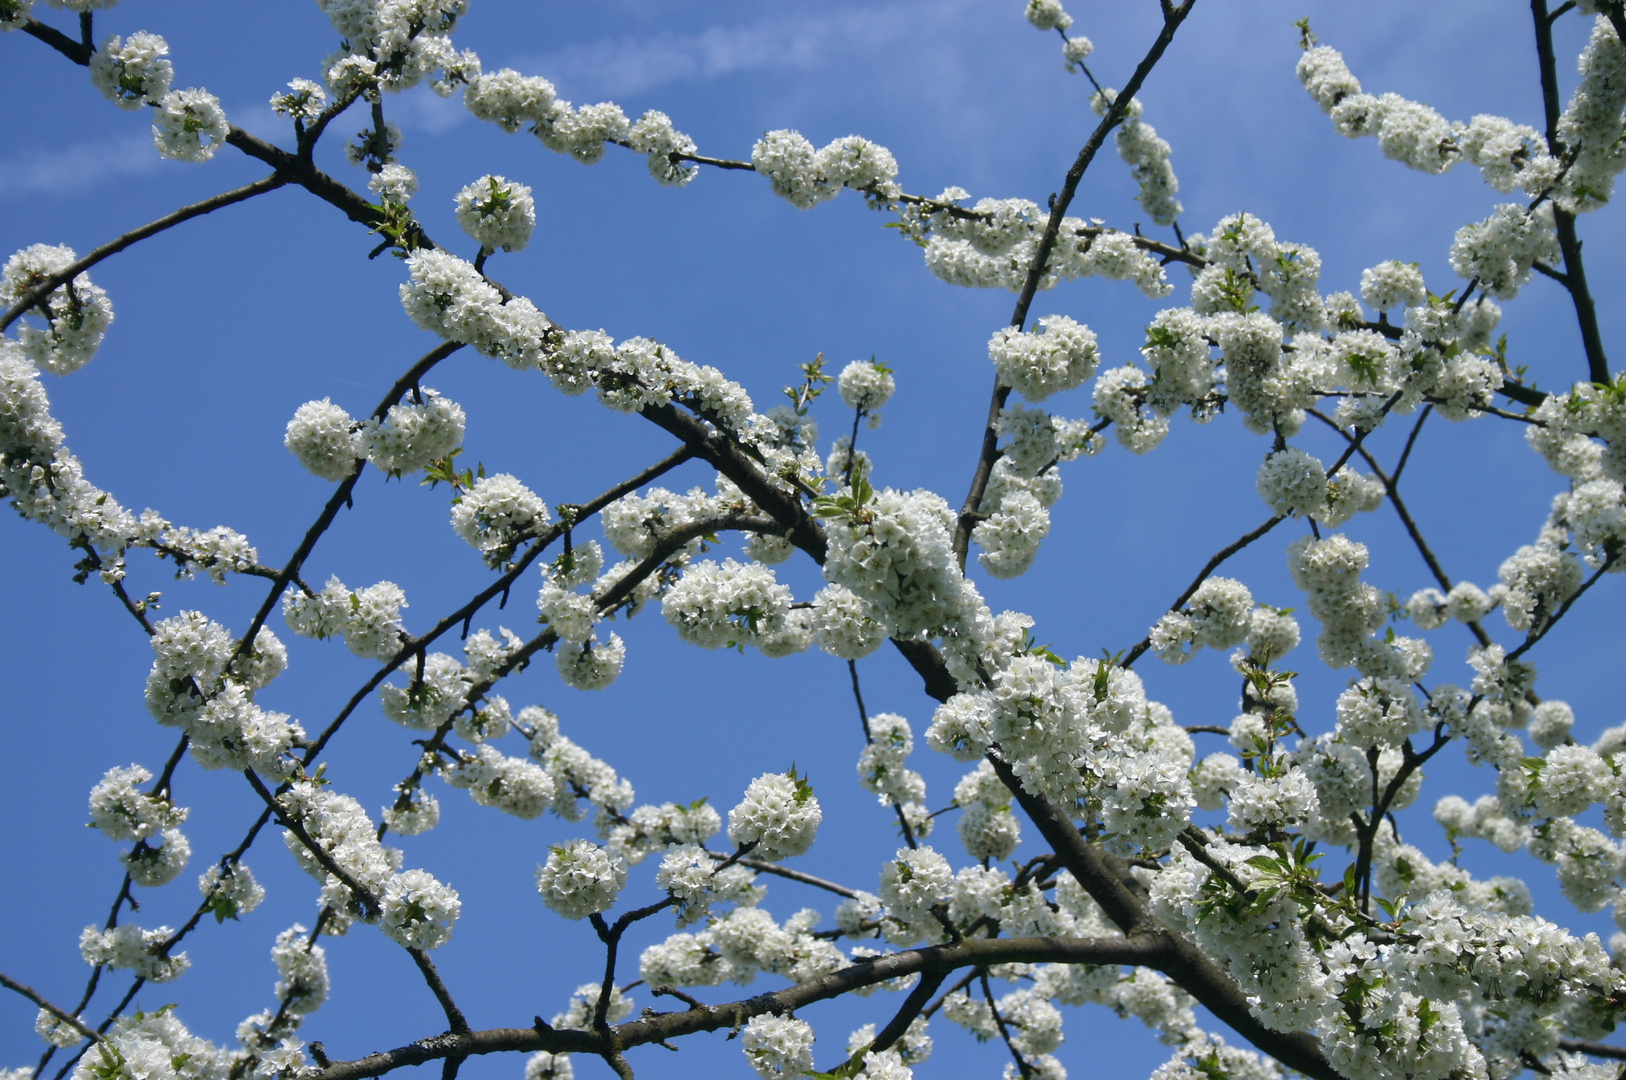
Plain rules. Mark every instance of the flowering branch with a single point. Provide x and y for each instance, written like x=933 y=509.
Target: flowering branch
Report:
x=664 y=1026
x=1041 y=257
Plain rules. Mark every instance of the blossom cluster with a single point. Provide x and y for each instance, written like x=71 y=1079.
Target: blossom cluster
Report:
x=1147 y=156
x=413 y=908
x=992 y=243
x=76 y=314
x=805 y=177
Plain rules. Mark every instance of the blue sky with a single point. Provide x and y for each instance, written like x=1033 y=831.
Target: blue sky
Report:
x=225 y=325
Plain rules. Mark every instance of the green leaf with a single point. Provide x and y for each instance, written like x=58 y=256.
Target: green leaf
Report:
x=222 y=908
x=1427 y=1016
x=804 y=789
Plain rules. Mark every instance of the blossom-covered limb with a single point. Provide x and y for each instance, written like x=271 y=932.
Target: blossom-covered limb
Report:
x=1586 y=314
x=863 y=717
x=1539 y=631
x=1047 y=241
x=1181 y=960
x=362 y=896
x=341 y=497
x=724 y=454
x=500 y=587
x=1172 y=19
x=291 y=167
x=369 y=904
x=663 y=1026
x=118 y=244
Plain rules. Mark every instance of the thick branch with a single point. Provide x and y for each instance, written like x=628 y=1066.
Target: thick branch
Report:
x=76 y=51
x=1603 y=1050
x=1178 y=958
x=721 y=452
x=664 y=1026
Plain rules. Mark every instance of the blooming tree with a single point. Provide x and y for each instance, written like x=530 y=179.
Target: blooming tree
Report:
x=1090 y=853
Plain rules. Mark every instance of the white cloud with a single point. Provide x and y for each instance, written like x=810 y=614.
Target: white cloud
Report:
x=628 y=65
x=77 y=167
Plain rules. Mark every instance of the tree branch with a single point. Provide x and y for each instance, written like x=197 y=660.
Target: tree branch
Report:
x=76 y=51
x=663 y=1026
x=340 y=497
x=863 y=717
x=791 y=875
x=34 y=996
x=1569 y=242
x=1603 y=1050
x=1178 y=958
x=1041 y=257
x=454 y=1015
x=152 y=228
x=1220 y=556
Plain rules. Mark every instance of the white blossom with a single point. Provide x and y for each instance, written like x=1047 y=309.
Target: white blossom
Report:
x=580 y=879
x=497 y=514
x=132 y=71
x=497 y=213
x=778 y=1046
x=324 y=439
x=190 y=125
x=779 y=814
x=865 y=385
x=76 y=315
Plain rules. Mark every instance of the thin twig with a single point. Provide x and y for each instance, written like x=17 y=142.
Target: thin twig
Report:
x=55 y=281
x=1202 y=575
x=869 y=739
x=1041 y=258
x=764 y=867
x=1569 y=243
x=34 y=996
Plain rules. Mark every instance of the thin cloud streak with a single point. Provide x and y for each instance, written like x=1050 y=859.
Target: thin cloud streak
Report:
x=73 y=169
x=628 y=65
